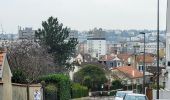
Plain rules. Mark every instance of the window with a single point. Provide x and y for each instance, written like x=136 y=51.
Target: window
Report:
x=118 y=64
x=168 y=63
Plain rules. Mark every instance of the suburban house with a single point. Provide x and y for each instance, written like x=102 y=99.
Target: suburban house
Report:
x=149 y=60
x=128 y=75
x=80 y=57
x=111 y=61
x=125 y=58
x=5 y=78
x=78 y=60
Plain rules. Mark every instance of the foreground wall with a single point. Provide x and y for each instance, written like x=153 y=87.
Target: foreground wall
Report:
x=19 y=91
x=163 y=94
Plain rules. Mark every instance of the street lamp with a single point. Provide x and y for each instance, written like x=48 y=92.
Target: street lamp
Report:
x=143 y=63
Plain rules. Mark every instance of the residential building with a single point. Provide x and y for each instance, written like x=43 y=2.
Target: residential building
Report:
x=168 y=46
x=111 y=61
x=151 y=47
x=128 y=74
x=125 y=58
x=115 y=47
x=82 y=47
x=26 y=33
x=5 y=78
x=96 y=46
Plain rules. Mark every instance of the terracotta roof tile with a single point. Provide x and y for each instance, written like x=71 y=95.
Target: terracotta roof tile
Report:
x=148 y=58
x=107 y=58
x=130 y=71
x=1 y=61
x=124 y=56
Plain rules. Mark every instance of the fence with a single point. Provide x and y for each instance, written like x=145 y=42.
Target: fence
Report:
x=25 y=92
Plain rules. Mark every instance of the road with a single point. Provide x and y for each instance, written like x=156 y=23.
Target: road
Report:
x=96 y=98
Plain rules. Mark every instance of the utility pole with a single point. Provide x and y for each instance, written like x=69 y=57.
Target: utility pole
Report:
x=158 y=51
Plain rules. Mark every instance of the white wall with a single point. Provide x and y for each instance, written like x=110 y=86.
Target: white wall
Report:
x=168 y=45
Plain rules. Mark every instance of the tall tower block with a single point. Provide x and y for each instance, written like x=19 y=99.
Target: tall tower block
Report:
x=168 y=44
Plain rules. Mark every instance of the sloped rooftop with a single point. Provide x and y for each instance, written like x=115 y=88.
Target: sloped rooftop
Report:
x=129 y=71
x=148 y=58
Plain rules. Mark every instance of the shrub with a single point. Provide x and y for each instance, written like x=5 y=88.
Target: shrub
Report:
x=78 y=90
x=19 y=76
x=51 y=88
x=116 y=84
x=154 y=86
x=91 y=76
x=50 y=92
x=62 y=82
x=112 y=93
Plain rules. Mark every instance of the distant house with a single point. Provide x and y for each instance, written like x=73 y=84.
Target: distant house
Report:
x=111 y=61
x=5 y=78
x=84 y=58
x=128 y=74
x=125 y=58
x=149 y=60
x=78 y=60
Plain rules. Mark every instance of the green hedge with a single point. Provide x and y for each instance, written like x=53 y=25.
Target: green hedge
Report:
x=62 y=82
x=51 y=92
x=154 y=86
x=78 y=91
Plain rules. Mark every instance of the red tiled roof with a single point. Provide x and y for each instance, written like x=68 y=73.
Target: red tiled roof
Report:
x=1 y=58
x=124 y=56
x=130 y=71
x=107 y=58
x=1 y=61
x=148 y=58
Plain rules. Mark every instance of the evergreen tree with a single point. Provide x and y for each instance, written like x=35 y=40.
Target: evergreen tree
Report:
x=56 y=39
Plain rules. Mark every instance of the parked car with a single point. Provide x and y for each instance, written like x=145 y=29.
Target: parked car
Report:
x=160 y=99
x=134 y=96
x=120 y=94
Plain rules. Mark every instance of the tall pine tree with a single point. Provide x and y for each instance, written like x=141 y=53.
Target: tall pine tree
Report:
x=56 y=39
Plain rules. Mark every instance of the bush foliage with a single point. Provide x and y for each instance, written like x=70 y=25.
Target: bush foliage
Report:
x=62 y=82
x=50 y=92
x=91 y=76
x=117 y=84
x=19 y=76
x=78 y=91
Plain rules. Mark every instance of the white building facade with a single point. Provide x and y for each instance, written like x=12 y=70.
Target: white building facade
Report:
x=96 y=47
x=168 y=45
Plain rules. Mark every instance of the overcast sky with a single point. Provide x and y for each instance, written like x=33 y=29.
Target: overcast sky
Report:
x=82 y=14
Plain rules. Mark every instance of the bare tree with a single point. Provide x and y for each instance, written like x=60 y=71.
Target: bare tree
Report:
x=31 y=58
